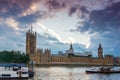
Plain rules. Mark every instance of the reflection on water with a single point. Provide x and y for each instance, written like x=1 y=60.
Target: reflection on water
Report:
x=74 y=73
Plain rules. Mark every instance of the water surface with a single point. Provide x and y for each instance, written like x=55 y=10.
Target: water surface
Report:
x=70 y=73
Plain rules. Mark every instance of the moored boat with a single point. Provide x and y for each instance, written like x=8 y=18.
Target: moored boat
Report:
x=13 y=71
x=31 y=73
x=103 y=70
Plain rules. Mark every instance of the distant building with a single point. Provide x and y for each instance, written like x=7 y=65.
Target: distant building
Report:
x=41 y=56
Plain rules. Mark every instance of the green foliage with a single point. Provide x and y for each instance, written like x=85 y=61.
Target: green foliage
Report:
x=13 y=57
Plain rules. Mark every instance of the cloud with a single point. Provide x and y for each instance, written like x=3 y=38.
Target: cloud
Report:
x=33 y=8
x=12 y=23
x=28 y=7
x=15 y=7
x=50 y=31
x=55 y=4
x=107 y=19
x=102 y=20
x=72 y=10
x=50 y=42
x=19 y=10
x=66 y=39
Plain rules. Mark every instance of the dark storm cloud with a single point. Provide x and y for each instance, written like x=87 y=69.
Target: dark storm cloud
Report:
x=83 y=9
x=13 y=7
x=107 y=18
x=102 y=20
x=21 y=9
x=28 y=11
x=72 y=10
x=55 y=4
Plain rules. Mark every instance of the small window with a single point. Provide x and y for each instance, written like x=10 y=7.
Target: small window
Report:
x=5 y=75
x=24 y=72
x=15 y=69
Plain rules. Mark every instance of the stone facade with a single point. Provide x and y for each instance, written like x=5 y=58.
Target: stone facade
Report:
x=41 y=56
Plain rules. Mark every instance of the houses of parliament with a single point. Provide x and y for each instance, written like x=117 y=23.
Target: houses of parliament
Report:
x=40 y=56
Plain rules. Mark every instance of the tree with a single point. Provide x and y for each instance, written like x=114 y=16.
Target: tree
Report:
x=13 y=57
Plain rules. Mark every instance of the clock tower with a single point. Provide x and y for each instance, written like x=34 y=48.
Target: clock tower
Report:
x=100 y=51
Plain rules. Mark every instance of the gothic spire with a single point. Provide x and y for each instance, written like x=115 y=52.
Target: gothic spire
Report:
x=100 y=46
x=71 y=46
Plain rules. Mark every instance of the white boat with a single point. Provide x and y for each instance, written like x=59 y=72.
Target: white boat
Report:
x=103 y=70
x=14 y=71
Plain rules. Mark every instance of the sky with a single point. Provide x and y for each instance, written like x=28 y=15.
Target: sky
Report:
x=85 y=23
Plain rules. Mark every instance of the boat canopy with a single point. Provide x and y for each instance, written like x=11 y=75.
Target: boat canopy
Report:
x=13 y=65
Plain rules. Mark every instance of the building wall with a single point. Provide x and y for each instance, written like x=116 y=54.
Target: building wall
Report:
x=59 y=59
x=97 y=61
x=47 y=58
x=30 y=42
x=43 y=57
x=109 y=60
x=80 y=59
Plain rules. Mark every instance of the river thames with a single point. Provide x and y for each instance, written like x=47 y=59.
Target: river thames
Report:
x=70 y=73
